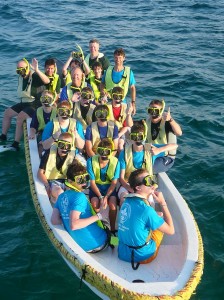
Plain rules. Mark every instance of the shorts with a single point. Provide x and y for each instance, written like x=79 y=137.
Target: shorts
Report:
x=103 y=193
x=28 y=108
x=162 y=164
x=157 y=237
x=59 y=182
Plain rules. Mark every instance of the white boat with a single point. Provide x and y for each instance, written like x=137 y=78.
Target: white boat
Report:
x=174 y=274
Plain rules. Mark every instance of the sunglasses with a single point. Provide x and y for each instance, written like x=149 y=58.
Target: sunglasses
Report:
x=64 y=111
x=64 y=145
x=101 y=113
x=104 y=151
x=137 y=136
x=116 y=96
x=46 y=99
x=148 y=181
x=86 y=96
x=80 y=179
x=21 y=71
x=154 y=110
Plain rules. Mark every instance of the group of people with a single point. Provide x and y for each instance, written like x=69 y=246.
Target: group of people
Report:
x=94 y=158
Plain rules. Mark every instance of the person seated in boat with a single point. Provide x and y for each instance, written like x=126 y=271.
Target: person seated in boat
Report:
x=63 y=123
x=137 y=155
x=75 y=59
x=99 y=130
x=94 y=79
x=29 y=83
x=119 y=75
x=83 y=110
x=95 y=55
x=54 y=164
x=71 y=92
x=74 y=211
x=159 y=124
x=140 y=228
x=42 y=116
x=104 y=171
x=120 y=114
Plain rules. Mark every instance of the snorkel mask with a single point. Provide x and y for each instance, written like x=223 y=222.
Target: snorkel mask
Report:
x=47 y=100
x=102 y=114
x=148 y=181
x=23 y=71
x=156 y=112
x=104 y=152
x=82 y=179
x=86 y=97
x=64 y=113
x=64 y=146
x=138 y=137
x=117 y=97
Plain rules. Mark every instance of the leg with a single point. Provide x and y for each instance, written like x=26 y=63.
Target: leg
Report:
x=7 y=118
x=157 y=236
x=56 y=190
x=22 y=116
x=95 y=203
x=112 y=212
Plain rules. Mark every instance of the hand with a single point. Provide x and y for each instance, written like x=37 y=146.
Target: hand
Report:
x=104 y=212
x=76 y=97
x=133 y=104
x=158 y=196
x=57 y=134
x=34 y=64
x=154 y=150
x=32 y=136
x=167 y=115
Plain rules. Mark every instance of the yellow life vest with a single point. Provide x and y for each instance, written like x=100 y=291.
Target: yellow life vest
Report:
x=161 y=138
x=124 y=82
x=25 y=95
x=70 y=91
x=96 y=135
x=40 y=117
x=51 y=171
x=122 y=116
x=78 y=116
x=147 y=161
x=68 y=78
x=72 y=125
x=112 y=164
x=100 y=55
x=94 y=86
x=53 y=83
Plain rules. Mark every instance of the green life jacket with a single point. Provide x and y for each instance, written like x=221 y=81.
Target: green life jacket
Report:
x=124 y=82
x=72 y=125
x=112 y=164
x=122 y=116
x=25 y=94
x=96 y=135
x=40 y=117
x=78 y=116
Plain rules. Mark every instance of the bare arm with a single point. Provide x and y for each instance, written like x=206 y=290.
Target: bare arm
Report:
x=77 y=223
x=42 y=76
x=168 y=147
x=42 y=177
x=66 y=65
x=167 y=226
x=124 y=182
x=175 y=126
x=55 y=217
x=133 y=98
x=89 y=148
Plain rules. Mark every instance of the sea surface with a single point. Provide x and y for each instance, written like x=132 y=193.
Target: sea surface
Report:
x=175 y=49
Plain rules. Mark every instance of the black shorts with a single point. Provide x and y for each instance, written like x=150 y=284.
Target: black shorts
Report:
x=28 y=108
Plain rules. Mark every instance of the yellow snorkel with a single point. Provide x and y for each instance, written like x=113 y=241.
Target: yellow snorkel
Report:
x=28 y=66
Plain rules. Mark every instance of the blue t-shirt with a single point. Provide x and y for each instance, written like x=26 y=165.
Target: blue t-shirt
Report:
x=135 y=221
x=64 y=94
x=138 y=158
x=102 y=187
x=89 y=237
x=35 y=123
x=102 y=132
x=48 y=130
x=117 y=76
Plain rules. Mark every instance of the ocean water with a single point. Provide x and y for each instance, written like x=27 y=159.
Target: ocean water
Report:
x=175 y=49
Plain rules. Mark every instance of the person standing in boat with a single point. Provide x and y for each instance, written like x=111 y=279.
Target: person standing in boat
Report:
x=139 y=155
x=99 y=130
x=140 y=228
x=74 y=211
x=104 y=171
x=95 y=55
x=159 y=125
x=94 y=79
x=29 y=83
x=54 y=164
x=63 y=123
x=121 y=114
x=119 y=75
